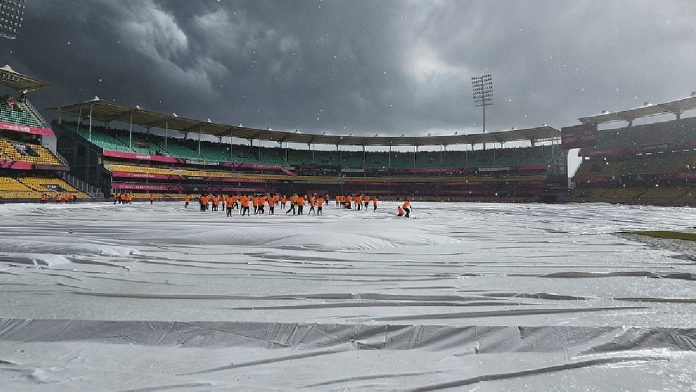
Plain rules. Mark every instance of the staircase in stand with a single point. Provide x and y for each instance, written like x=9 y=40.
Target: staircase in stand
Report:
x=82 y=186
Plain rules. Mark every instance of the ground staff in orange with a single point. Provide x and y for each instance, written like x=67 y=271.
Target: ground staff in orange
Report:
x=187 y=199
x=203 y=201
x=272 y=200
x=320 y=205
x=244 y=204
x=312 y=201
x=400 y=211
x=293 y=200
x=229 y=202
x=300 y=204
x=407 y=207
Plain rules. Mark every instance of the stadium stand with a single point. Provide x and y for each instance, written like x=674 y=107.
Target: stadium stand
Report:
x=29 y=169
x=27 y=152
x=16 y=112
x=652 y=163
x=519 y=173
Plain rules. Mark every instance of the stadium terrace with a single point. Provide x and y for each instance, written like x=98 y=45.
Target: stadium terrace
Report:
x=97 y=148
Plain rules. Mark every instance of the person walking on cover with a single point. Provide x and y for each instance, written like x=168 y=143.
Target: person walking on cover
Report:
x=300 y=204
x=312 y=201
x=228 y=205
x=320 y=205
x=152 y=198
x=374 y=204
x=293 y=199
x=187 y=199
x=244 y=200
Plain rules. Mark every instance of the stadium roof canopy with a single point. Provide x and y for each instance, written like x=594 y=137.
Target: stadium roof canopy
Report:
x=647 y=110
x=19 y=82
x=106 y=111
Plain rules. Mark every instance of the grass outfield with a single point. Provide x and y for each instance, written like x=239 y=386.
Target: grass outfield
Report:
x=664 y=234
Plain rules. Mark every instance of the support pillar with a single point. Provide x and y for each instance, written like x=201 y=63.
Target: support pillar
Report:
x=166 y=135
x=389 y=157
x=200 y=135
x=79 y=119
x=130 y=132
x=364 y=157
x=90 y=123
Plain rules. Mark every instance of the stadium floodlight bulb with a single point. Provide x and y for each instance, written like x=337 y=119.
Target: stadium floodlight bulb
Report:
x=11 y=17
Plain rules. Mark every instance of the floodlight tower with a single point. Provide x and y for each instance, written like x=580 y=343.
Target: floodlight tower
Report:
x=11 y=17
x=482 y=87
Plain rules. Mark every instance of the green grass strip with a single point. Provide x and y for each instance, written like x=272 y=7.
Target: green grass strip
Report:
x=669 y=235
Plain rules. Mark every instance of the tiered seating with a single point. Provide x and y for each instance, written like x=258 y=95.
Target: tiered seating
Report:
x=99 y=137
x=181 y=151
x=34 y=187
x=273 y=156
x=651 y=164
x=669 y=132
x=49 y=184
x=19 y=151
x=22 y=116
x=188 y=149
x=663 y=195
x=13 y=189
x=113 y=167
x=137 y=143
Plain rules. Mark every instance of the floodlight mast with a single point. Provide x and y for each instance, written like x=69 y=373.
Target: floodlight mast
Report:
x=482 y=87
x=11 y=17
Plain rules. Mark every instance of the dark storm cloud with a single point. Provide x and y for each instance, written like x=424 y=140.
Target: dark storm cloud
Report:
x=360 y=66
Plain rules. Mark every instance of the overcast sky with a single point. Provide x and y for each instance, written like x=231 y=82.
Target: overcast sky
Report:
x=361 y=66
